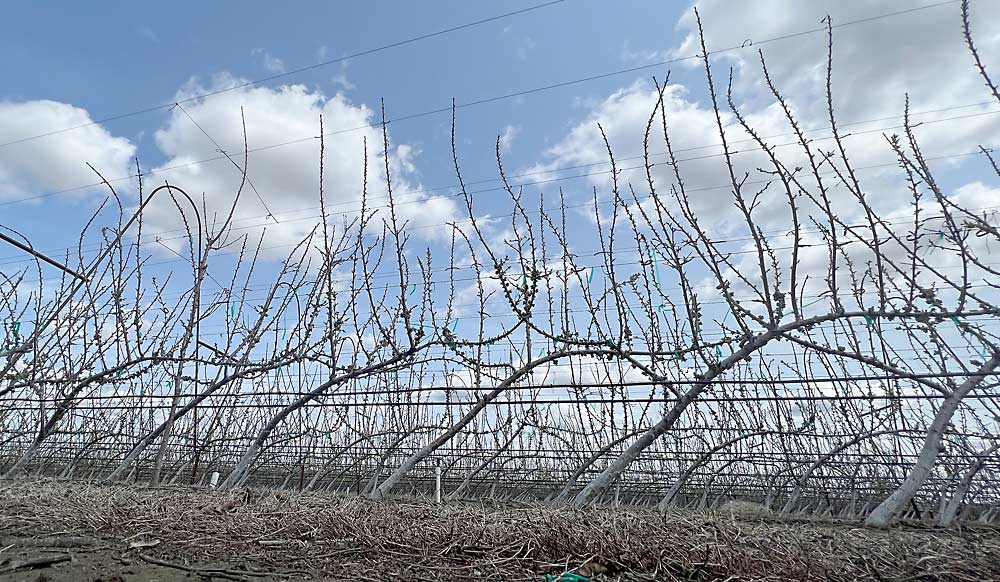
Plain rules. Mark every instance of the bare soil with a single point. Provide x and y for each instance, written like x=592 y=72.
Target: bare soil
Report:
x=90 y=533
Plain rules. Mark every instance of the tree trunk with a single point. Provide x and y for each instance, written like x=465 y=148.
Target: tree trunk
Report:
x=804 y=478
x=608 y=476
x=892 y=506
x=426 y=451
x=950 y=509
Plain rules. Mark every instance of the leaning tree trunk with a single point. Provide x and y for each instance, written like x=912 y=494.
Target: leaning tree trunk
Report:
x=460 y=490
x=567 y=487
x=611 y=473
x=886 y=512
x=682 y=478
x=803 y=479
x=241 y=471
x=382 y=490
x=950 y=509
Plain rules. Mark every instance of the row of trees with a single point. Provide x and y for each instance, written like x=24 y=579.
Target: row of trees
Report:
x=828 y=353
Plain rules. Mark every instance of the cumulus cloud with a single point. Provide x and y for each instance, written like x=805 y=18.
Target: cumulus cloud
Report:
x=284 y=197
x=271 y=63
x=56 y=163
x=508 y=135
x=876 y=65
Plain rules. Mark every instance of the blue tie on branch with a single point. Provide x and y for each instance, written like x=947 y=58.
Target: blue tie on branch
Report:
x=565 y=577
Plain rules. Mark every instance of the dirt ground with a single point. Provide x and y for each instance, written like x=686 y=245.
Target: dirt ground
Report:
x=61 y=532
x=82 y=564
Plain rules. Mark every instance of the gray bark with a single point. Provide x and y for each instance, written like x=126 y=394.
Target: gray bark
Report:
x=608 y=476
x=950 y=509
x=668 y=499
x=426 y=451
x=804 y=478
x=892 y=506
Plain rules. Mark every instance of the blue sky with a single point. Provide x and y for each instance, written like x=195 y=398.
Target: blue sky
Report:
x=118 y=58
x=124 y=57
x=74 y=63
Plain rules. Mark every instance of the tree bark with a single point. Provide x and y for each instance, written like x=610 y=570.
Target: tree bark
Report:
x=608 y=476
x=382 y=490
x=892 y=506
x=950 y=509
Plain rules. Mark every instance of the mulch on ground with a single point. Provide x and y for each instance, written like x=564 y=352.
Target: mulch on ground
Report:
x=124 y=533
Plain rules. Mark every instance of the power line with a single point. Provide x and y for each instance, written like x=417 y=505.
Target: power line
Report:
x=589 y=385
x=486 y=100
x=289 y=73
x=450 y=186
x=417 y=200
x=223 y=152
x=318 y=403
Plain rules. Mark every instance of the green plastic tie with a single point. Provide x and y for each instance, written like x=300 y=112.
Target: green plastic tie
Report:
x=868 y=320
x=590 y=279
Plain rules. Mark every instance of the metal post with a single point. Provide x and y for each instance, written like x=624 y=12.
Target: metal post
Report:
x=437 y=482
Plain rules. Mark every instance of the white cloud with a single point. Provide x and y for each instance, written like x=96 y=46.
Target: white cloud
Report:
x=340 y=78
x=525 y=45
x=57 y=162
x=507 y=136
x=287 y=177
x=876 y=64
x=271 y=63
x=642 y=56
